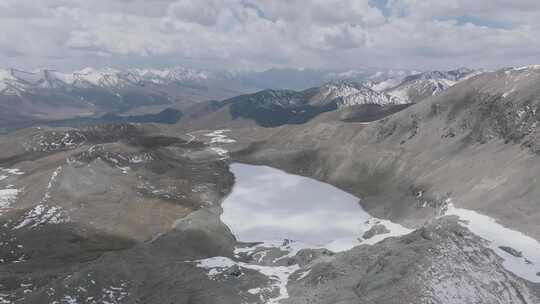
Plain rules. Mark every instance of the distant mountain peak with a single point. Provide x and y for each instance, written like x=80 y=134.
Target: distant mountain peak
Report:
x=417 y=87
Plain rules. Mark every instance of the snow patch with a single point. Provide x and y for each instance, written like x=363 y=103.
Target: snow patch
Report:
x=526 y=264
x=12 y=171
x=303 y=275
x=289 y=247
x=507 y=93
x=528 y=67
x=218 y=138
x=387 y=84
x=141 y=158
x=8 y=193
x=43 y=213
x=255 y=291
x=7 y=197
x=114 y=294
x=278 y=275
x=220 y=151
x=349 y=94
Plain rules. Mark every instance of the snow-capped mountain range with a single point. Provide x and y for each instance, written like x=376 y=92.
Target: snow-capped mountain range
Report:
x=392 y=88
x=13 y=81
x=44 y=94
x=414 y=88
x=346 y=93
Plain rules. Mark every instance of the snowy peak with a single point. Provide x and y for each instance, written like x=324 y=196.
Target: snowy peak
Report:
x=14 y=81
x=453 y=75
x=369 y=75
x=19 y=80
x=337 y=89
x=378 y=80
x=415 y=88
x=5 y=78
x=40 y=78
x=352 y=87
x=347 y=94
x=170 y=75
x=93 y=77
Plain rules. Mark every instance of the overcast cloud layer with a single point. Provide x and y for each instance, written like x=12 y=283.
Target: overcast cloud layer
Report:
x=260 y=34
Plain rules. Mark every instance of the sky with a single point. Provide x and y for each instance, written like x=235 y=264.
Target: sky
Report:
x=262 y=34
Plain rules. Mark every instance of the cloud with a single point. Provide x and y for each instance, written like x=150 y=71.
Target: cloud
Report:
x=200 y=12
x=257 y=34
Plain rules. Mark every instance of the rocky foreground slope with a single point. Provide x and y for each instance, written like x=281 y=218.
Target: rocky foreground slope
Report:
x=73 y=197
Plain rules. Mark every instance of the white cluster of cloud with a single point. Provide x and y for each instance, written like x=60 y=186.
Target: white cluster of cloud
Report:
x=257 y=34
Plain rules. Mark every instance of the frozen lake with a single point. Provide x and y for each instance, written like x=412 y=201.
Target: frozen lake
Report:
x=269 y=205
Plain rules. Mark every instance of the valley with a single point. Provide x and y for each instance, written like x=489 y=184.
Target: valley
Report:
x=337 y=194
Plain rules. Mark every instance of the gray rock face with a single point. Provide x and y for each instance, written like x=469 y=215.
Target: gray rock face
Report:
x=375 y=230
x=512 y=251
x=451 y=266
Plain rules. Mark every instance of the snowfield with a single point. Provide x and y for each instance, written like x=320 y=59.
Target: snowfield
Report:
x=217 y=139
x=523 y=262
x=8 y=192
x=44 y=212
x=7 y=196
x=278 y=275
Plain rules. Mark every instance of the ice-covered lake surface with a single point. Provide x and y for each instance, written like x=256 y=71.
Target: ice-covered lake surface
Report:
x=277 y=210
x=269 y=205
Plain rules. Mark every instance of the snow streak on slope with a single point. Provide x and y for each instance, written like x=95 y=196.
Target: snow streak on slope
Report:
x=5 y=77
x=44 y=212
x=520 y=252
x=8 y=192
x=20 y=81
x=217 y=139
